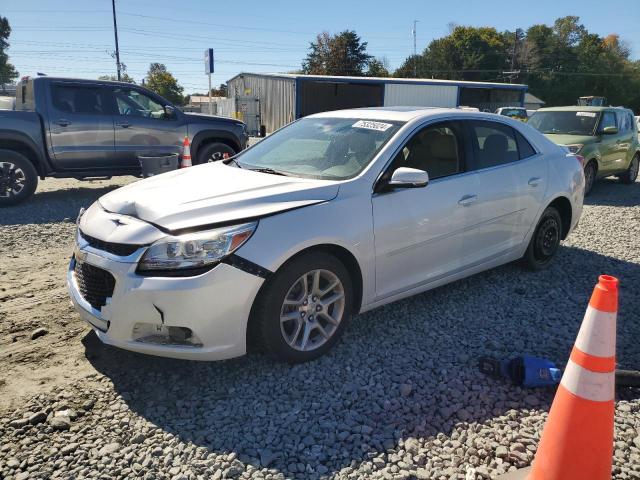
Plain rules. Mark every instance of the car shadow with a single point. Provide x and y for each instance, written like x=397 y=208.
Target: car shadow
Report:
x=610 y=192
x=408 y=369
x=53 y=205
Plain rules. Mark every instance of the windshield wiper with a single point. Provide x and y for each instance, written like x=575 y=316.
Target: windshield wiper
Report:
x=234 y=161
x=270 y=171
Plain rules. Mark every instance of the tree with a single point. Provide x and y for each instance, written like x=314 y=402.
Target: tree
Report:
x=125 y=77
x=378 y=67
x=341 y=54
x=164 y=83
x=8 y=72
x=221 y=91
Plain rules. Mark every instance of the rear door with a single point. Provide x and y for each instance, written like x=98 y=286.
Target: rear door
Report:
x=626 y=140
x=141 y=126
x=80 y=126
x=512 y=180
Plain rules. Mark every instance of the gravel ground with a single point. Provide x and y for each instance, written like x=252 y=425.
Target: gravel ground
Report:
x=400 y=397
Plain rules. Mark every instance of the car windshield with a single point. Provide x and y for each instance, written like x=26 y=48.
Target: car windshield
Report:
x=565 y=122
x=324 y=148
x=514 y=112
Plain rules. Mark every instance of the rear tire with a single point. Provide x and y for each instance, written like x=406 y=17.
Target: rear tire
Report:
x=291 y=309
x=590 y=173
x=631 y=174
x=214 y=152
x=545 y=241
x=18 y=178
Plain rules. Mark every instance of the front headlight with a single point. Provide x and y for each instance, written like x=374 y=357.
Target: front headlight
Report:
x=194 y=250
x=575 y=148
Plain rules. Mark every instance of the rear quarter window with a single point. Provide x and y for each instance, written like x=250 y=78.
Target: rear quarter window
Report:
x=525 y=150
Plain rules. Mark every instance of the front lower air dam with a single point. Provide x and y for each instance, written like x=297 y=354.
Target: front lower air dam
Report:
x=164 y=335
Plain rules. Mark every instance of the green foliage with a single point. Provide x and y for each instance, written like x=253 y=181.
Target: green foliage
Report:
x=341 y=54
x=124 y=77
x=8 y=72
x=560 y=62
x=164 y=83
x=221 y=91
x=377 y=67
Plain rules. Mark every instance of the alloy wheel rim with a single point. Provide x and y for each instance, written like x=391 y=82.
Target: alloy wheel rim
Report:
x=547 y=239
x=215 y=156
x=312 y=310
x=12 y=179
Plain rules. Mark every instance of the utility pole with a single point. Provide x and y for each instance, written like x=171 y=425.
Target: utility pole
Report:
x=115 y=31
x=415 y=49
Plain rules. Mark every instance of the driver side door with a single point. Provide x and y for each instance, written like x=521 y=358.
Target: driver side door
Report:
x=141 y=126
x=421 y=234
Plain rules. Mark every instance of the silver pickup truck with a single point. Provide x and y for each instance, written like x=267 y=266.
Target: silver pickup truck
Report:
x=70 y=128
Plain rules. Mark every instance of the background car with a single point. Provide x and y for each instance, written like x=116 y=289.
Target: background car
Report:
x=606 y=137
x=335 y=214
x=517 y=113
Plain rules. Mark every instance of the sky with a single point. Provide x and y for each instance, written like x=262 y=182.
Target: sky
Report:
x=76 y=38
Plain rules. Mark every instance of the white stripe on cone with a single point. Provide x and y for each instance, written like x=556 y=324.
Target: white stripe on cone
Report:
x=597 y=335
x=599 y=387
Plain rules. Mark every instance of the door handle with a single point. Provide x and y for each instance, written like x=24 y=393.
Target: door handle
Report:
x=63 y=122
x=534 y=182
x=123 y=124
x=468 y=200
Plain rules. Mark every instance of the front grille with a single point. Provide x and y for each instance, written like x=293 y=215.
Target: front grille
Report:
x=120 y=249
x=95 y=284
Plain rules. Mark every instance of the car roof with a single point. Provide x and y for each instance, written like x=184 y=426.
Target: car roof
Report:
x=401 y=114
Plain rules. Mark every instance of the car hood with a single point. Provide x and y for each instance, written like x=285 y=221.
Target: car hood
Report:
x=214 y=194
x=569 y=139
x=209 y=118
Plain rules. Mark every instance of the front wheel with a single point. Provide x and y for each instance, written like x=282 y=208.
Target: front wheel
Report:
x=631 y=174
x=18 y=178
x=303 y=310
x=213 y=152
x=590 y=172
x=545 y=241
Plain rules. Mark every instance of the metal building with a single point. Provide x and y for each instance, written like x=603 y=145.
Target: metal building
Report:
x=273 y=100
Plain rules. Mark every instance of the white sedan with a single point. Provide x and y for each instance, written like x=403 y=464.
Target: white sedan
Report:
x=333 y=215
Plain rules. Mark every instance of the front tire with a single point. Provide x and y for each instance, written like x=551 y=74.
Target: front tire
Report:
x=304 y=308
x=545 y=241
x=631 y=174
x=18 y=178
x=214 y=152
x=590 y=172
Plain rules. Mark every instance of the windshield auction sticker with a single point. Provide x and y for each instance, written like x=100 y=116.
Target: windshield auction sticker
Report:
x=379 y=126
x=586 y=114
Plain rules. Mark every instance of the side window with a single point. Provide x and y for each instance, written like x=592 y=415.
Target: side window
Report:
x=495 y=144
x=133 y=103
x=524 y=147
x=623 y=122
x=77 y=99
x=608 y=120
x=435 y=149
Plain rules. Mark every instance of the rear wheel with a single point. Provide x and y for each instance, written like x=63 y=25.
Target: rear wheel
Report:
x=590 y=172
x=213 y=152
x=631 y=174
x=18 y=178
x=303 y=310
x=545 y=241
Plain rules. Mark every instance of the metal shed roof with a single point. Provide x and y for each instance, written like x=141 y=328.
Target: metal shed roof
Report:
x=410 y=81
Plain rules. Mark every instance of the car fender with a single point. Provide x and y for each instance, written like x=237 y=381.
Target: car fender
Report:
x=342 y=222
x=203 y=135
x=37 y=155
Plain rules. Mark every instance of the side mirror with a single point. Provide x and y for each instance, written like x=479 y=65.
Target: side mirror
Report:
x=169 y=112
x=405 y=177
x=610 y=130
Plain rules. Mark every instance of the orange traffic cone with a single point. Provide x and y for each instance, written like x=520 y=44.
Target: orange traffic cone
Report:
x=186 y=154
x=577 y=440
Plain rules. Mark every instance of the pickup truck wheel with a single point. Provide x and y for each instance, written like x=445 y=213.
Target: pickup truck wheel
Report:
x=631 y=174
x=214 y=152
x=18 y=178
